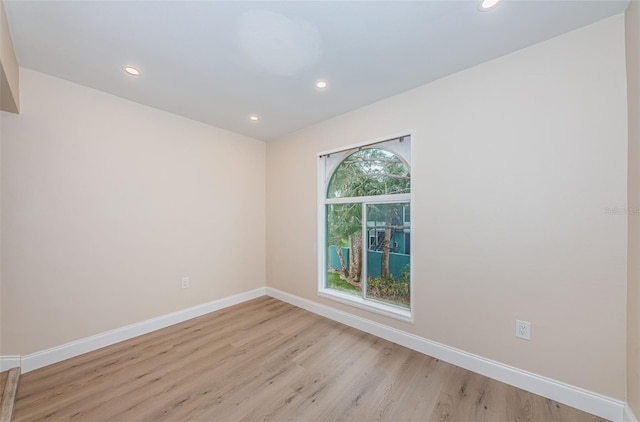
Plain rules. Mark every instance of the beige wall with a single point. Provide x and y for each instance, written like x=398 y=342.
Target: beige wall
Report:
x=9 y=84
x=108 y=203
x=633 y=269
x=1 y=234
x=8 y=61
x=515 y=163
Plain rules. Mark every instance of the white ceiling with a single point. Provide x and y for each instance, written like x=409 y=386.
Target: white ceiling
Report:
x=218 y=62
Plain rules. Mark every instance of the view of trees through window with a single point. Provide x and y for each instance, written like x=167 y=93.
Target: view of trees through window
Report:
x=368 y=227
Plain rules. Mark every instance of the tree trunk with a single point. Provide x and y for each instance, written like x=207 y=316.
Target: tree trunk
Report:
x=351 y=253
x=345 y=270
x=355 y=256
x=359 y=256
x=386 y=249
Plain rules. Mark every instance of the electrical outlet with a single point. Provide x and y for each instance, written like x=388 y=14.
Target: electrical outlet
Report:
x=523 y=329
x=185 y=282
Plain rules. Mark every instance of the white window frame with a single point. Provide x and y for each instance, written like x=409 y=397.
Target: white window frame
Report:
x=361 y=302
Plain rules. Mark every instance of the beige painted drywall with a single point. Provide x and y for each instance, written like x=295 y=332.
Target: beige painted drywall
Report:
x=0 y=234
x=9 y=84
x=7 y=60
x=516 y=162
x=108 y=203
x=632 y=25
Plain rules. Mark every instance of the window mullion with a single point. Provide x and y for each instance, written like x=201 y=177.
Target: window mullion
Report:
x=400 y=197
x=363 y=273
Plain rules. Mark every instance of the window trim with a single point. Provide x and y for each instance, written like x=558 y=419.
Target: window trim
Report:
x=368 y=304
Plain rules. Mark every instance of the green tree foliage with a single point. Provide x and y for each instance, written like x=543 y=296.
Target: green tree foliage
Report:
x=366 y=172
x=370 y=172
x=342 y=221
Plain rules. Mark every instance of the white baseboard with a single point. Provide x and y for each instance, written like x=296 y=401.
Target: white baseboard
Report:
x=587 y=401
x=9 y=362
x=59 y=353
x=628 y=415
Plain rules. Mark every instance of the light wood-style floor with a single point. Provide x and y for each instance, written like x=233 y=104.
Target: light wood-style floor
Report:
x=268 y=360
x=3 y=381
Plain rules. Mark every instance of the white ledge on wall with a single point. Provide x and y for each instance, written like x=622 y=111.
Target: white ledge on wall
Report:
x=389 y=311
x=628 y=415
x=9 y=362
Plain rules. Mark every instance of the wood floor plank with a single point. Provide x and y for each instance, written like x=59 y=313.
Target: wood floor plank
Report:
x=7 y=400
x=270 y=361
x=3 y=381
x=374 y=390
x=125 y=354
x=424 y=377
x=184 y=370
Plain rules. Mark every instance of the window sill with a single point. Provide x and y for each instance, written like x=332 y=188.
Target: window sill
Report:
x=379 y=308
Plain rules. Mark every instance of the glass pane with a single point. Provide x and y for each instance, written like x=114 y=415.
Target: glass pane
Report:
x=388 y=253
x=368 y=172
x=344 y=244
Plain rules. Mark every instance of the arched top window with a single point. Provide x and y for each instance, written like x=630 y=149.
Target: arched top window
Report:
x=368 y=172
x=365 y=226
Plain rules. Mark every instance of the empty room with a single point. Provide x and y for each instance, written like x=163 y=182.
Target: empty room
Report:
x=320 y=210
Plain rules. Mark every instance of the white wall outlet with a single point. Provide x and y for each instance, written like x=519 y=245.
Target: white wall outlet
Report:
x=185 y=282
x=523 y=329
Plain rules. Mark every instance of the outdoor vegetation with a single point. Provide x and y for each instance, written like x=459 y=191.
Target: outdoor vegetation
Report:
x=367 y=173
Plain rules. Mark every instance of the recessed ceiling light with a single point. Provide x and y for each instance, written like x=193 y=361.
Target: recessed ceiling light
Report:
x=132 y=71
x=321 y=84
x=253 y=118
x=488 y=4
